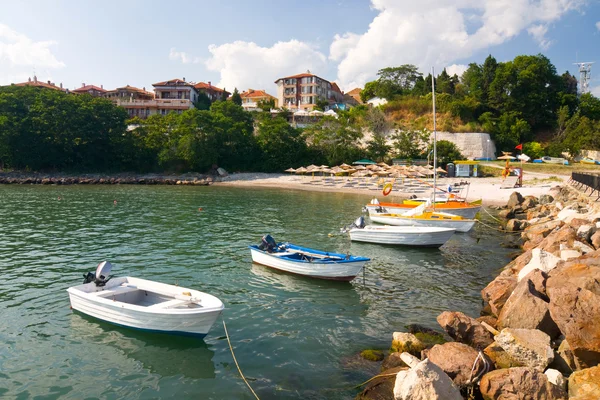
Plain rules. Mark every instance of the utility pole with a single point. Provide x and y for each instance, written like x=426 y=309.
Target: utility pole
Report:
x=585 y=75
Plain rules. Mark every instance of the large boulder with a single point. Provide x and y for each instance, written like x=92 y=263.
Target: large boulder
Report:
x=595 y=240
x=465 y=329
x=501 y=358
x=585 y=384
x=407 y=342
x=498 y=291
x=519 y=384
x=564 y=236
x=574 y=293
x=514 y=200
x=585 y=232
x=529 y=347
x=541 y=260
x=543 y=229
x=527 y=306
x=529 y=202
x=425 y=381
x=459 y=361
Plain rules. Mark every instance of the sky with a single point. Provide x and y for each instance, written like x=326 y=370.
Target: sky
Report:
x=250 y=44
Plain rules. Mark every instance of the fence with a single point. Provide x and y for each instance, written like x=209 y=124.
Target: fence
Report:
x=586 y=181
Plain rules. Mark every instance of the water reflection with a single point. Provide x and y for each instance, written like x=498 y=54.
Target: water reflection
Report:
x=162 y=354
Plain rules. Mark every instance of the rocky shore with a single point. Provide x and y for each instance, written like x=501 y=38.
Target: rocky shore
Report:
x=96 y=179
x=538 y=335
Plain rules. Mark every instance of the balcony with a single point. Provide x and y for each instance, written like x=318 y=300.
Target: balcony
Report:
x=176 y=104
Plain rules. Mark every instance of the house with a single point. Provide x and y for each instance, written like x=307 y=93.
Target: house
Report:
x=355 y=94
x=45 y=85
x=92 y=90
x=214 y=93
x=303 y=90
x=251 y=98
x=137 y=102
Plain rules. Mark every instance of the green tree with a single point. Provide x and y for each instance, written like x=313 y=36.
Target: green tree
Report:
x=408 y=144
x=320 y=104
x=370 y=90
x=203 y=101
x=281 y=145
x=394 y=81
x=589 y=106
x=533 y=149
x=266 y=105
x=446 y=152
x=335 y=139
x=236 y=98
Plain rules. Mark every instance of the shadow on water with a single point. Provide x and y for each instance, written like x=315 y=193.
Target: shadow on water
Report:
x=163 y=354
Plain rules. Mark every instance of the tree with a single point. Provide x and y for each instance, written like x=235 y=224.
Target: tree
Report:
x=320 y=104
x=409 y=144
x=281 y=145
x=266 y=105
x=369 y=91
x=236 y=98
x=507 y=131
x=203 y=102
x=335 y=139
x=589 y=106
x=397 y=80
x=446 y=152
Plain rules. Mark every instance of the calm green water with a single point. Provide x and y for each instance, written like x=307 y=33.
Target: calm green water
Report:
x=294 y=337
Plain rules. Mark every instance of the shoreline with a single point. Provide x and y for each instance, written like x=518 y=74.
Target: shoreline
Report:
x=488 y=190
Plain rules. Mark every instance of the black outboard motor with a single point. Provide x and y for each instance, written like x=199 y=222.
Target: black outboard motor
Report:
x=268 y=243
x=359 y=222
x=101 y=277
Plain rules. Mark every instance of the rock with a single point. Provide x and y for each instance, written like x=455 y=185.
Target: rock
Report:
x=519 y=383
x=425 y=381
x=498 y=291
x=515 y=199
x=513 y=225
x=574 y=293
x=488 y=319
x=567 y=215
x=543 y=228
x=585 y=232
x=393 y=360
x=541 y=260
x=569 y=254
x=465 y=329
x=457 y=361
x=529 y=347
x=585 y=384
x=595 y=240
x=556 y=378
x=499 y=357
x=582 y=247
x=515 y=266
x=564 y=236
x=382 y=387
x=546 y=199
x=407 y=342
x=372 y=355
x=527 y=307
x=529 y=202
x=508 y=213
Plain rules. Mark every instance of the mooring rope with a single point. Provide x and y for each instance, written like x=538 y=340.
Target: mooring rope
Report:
x=236 y=363
x=496 y=229
x=376 y=376
x=488 y=213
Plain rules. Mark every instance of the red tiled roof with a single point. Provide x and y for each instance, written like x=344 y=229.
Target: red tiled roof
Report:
x=132 y=89
x=89 y=87
x=355 y=94
x=335 y=87
x=255 y=93
x=173 y=82
x=298 y=76
x=41 y=84
x=202 y=85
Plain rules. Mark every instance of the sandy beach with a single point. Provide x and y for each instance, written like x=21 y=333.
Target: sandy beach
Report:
x=489 y=190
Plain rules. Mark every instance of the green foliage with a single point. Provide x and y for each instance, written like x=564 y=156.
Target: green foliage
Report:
x=320 y=104
x=409 y=144
x=507 y=131
x=203 y=102
x=372 y=355
x=369 y=91
x=589 y=106
x=533 y=149
x=377 y=147
x=446 y=152
x=282 y=145
x=336 y=140
x=266 y=105
x=236 y=98
x=581 y=133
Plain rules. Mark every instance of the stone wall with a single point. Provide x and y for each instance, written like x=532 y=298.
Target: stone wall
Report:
x=471 y=144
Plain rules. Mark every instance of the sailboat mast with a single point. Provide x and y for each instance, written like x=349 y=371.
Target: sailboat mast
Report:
x=434 y=136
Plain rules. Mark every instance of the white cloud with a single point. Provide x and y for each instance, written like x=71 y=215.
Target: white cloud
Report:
x=428 y=32
x=539 y=34
x=247 y=65
x=182 y=56
x=457 y=69
x=598 y=25
x=596 y=91
x=19 y=55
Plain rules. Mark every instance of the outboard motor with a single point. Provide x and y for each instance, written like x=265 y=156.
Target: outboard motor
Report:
x=374 y=201
x=101 y=277
x=268 y=243
x=359 y=222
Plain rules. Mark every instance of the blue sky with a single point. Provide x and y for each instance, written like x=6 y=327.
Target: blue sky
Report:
x=250 y=44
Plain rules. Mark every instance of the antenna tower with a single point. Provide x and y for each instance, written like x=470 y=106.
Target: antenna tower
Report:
x=585 y=75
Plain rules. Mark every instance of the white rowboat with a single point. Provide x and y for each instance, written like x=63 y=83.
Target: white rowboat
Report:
x=402 y=235
x=146 y=305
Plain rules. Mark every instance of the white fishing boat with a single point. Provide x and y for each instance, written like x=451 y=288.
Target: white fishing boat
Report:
x=460 y=208
x=426 y=219
x=554 y=160
x=305 y=261
x=145 y=305
x=400 y=235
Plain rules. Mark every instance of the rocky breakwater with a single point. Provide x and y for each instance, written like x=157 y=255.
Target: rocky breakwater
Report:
x=538 y=335
x=121 y=179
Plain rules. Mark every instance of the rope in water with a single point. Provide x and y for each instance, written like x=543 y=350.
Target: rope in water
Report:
x=236 y=363
x=376 y=376
x=488 y=213
x=496 y=229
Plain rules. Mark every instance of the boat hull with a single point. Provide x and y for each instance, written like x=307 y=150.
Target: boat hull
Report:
x=405 y=236
x=461 y=210
x=178 y=321
x=342 y=271
x=398 y=220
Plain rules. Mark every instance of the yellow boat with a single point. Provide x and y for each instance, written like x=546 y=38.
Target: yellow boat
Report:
x=427 y=218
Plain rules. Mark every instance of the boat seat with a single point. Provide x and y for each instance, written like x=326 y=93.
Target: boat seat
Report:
x=174 y=303
x=115 y=291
